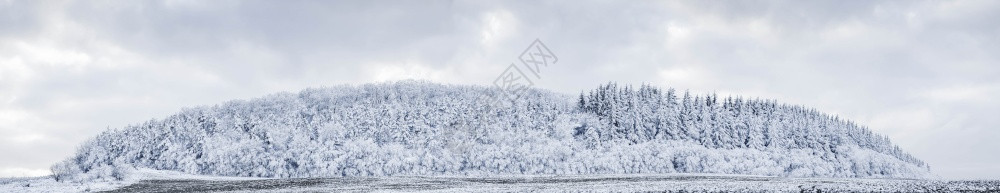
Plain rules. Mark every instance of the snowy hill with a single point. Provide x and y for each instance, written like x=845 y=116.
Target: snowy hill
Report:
x=420 y=128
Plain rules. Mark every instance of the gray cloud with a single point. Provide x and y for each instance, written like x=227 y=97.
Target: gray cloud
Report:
x=922 y=72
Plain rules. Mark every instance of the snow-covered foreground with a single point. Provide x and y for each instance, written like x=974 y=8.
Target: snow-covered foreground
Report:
x=619 y=183
x=157 y=181
x=49 y=184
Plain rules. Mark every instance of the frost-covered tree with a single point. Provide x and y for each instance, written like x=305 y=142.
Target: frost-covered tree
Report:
x=420 y=128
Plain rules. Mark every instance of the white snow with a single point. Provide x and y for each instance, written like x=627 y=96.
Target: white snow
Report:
x=173 y=181
x=49 y=184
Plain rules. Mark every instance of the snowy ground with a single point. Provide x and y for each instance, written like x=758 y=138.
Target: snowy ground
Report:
x=48 y=184
x=155 y=181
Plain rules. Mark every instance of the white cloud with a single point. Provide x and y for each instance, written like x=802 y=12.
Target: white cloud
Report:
x=13 y=69
x=903 y=122
x=677 y=32
x=498 y=26
x=965 y=93
x=382 y=72
x=23 y=172
x=14 y=124
x=46 y=53
x=685 y=77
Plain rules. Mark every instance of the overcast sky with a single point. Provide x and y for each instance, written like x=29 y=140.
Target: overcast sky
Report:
x=925 y=73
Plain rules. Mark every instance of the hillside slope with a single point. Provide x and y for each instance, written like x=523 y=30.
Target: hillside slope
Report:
x=420 y=128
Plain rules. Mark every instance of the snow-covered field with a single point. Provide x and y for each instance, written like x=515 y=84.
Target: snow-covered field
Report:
x=159 y=181
x=48 y=184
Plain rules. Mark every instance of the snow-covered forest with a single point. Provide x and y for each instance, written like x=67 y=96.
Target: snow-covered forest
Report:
x=421 y=128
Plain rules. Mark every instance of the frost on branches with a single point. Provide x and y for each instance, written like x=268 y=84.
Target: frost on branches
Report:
x=420 y=128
